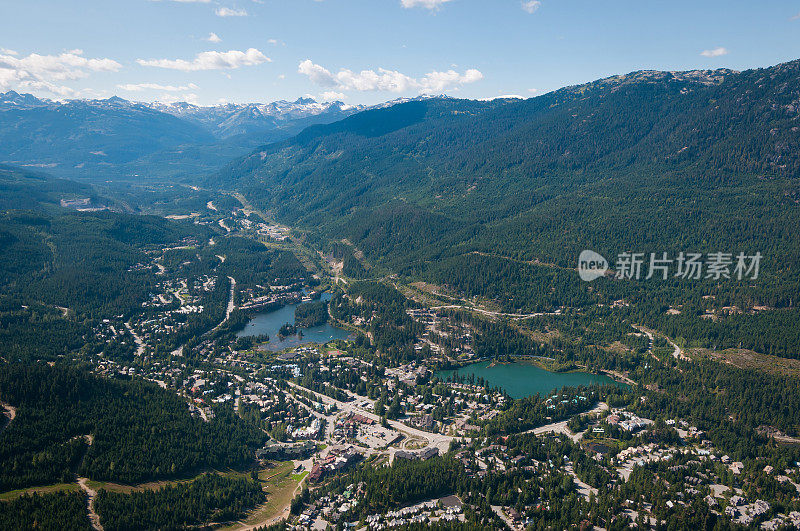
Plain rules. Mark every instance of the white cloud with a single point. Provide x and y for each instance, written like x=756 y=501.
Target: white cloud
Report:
x=530 y=6
x=138 y=87
x=427 y=4
x=533 y=90
x=317 y=74
x=175 y=98
x=213 y=37
x=715 y=52
x=385 y=80
x=39 y=72
x=332 y=95
x=796 y=17
x=210 y=61
x=228 y=12
x=6 y=51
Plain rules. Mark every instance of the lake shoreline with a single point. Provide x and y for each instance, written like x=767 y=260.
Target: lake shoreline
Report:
x=524 y=377
x=536 y=361
x=270 y=323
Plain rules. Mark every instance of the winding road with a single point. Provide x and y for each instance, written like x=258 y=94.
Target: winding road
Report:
x=677 y=353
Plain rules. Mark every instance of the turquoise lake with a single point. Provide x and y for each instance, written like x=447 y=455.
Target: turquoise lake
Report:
x=525 y=379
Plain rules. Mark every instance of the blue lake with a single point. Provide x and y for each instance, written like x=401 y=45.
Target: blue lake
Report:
x=270 y=322
x=523 y=379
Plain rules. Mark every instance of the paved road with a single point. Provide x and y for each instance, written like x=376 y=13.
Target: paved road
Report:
x=231 y=304
x=584 y=489
x=137 y=339
x=561 y=427
x=498 y=510
x=490 y=313
x=676 y=352
x=442 y=442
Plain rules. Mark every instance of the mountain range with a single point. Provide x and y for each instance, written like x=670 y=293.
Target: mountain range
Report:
x=117 y=138
x=647 y=162
x=704 y=159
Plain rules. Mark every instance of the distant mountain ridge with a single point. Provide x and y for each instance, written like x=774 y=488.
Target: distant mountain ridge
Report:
x=230 y=119
x=114 y=137
x=222 y=121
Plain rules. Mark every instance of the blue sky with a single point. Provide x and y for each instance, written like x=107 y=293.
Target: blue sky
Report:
x=367 y=51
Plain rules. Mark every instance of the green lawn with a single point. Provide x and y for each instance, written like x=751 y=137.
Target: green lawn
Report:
x=280 y=484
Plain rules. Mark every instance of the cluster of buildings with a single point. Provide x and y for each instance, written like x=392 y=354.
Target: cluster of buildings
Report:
x=311 y=431
x=783 y=521
x=267 y=296
x=285 y=451
x=627 y=421
x=743 y=513
x=447 y=509
x=421 y=455
x=634 y=456
x=338 y=459
x=443 y=334
x=273 y=232
x=407 y=374
x=329 y=509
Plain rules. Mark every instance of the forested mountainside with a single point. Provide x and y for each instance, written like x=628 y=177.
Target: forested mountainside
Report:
x=675 y=160
x=139 y=430
x=478 y=195
x=78 y=256
x=67 y=262
x=97 y=133
x=25 y=189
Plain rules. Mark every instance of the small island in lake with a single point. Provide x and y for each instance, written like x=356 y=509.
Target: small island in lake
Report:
x=287 y=330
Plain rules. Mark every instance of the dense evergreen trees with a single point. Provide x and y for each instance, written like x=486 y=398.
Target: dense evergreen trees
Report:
x=59 y=511
x=405 y=482
x=210 y=498
x=497 y=199
x=140 y=431
x=310 y=314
